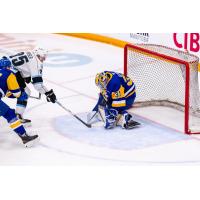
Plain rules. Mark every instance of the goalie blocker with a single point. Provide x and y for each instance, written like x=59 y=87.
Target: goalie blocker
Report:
x=117 y=95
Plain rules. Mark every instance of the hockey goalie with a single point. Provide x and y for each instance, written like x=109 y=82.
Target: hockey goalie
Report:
x=117 y=95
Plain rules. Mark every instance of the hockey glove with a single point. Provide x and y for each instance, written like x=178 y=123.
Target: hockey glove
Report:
x=51 y=97
x=27 y=80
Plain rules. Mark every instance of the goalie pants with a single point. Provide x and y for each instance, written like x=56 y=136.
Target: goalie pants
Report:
x=129 y=101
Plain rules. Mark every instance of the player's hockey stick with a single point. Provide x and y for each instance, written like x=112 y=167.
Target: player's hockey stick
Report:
x=38 y=98
x=69 y=111
x=94 y=115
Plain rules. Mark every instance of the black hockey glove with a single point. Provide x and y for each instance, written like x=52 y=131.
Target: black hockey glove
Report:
x=51 y=97
x=27 y=80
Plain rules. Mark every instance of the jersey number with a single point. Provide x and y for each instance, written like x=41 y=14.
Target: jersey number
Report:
x=19 y=59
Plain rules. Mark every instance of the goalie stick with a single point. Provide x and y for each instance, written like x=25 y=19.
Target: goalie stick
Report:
x=69 y=111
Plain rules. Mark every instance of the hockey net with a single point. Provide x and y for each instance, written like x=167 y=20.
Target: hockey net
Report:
x=165 y=77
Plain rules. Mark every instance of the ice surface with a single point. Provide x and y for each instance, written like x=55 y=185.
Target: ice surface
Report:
x=64 y=141
x=147 y=135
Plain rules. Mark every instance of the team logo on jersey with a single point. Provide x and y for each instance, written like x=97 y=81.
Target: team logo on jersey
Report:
x=1 y=74
x=118 y=94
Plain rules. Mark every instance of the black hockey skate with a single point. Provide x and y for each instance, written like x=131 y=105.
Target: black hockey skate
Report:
x=29 y=140
x=131 y=124
x=25 y=122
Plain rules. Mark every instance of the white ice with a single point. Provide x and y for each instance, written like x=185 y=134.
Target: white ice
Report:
x=64 y=141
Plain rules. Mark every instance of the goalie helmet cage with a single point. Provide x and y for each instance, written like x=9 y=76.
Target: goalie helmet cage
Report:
x=165 y=77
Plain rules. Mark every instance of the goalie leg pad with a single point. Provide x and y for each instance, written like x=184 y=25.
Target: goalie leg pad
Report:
x=111 y=118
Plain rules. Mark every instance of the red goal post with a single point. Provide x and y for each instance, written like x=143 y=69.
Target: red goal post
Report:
x=170 y=75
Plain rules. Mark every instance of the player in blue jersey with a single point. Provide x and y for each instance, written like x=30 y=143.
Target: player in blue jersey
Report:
x=117 y=95
x=9 y=87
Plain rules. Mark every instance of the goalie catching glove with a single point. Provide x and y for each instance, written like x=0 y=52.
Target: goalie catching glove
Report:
x=51 y=97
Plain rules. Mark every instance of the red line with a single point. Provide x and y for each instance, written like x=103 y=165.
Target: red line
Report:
x=158 y=123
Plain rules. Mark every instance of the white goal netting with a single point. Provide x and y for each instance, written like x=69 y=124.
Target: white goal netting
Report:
x=161 y=79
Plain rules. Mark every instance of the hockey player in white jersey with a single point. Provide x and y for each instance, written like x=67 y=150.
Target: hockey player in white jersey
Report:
x=29 y=67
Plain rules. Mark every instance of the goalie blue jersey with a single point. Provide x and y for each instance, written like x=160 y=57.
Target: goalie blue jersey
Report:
x=120 y=91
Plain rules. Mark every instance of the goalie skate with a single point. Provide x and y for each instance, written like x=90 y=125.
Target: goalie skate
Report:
x=131 y=124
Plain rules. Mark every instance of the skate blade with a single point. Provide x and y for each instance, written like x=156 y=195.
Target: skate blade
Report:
x=136 y=125
x=129 y=128
x=32 y=143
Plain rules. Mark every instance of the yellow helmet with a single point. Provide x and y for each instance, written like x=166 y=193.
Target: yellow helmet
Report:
x=101 y=80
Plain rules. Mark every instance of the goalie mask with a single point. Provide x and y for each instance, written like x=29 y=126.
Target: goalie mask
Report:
x=101 y=80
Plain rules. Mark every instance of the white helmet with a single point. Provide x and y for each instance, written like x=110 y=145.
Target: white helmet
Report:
x=38 y=51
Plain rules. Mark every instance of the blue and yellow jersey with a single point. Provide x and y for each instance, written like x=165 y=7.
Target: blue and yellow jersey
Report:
x=118 y=89
x=8 y=84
